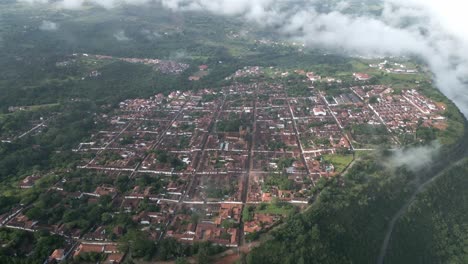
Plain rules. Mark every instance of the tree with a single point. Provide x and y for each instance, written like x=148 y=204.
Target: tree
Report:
x=35 y=213
x=203 y=255
x=105 y=201
x=106 y=218
x=181 y=261
x=139 y=245
x=170 y=248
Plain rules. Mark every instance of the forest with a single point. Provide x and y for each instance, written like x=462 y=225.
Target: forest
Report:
x=434 y=229
x=343 y=225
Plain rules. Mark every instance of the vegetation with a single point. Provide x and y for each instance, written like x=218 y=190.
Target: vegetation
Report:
x=17 y=245
x=276 y=145
x=166 y=158
x=278 y=180
x=339 y=161
x=234 y=123
x=370 y=134
x=90 y=257
x=169 y=249
x=276 y=207
x=343 y=225
x=247 y=213
x=63 y=132
x=435 y=224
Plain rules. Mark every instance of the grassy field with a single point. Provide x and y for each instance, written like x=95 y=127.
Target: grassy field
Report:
x=32 y=108
x=273 y=208
x=42 y=107
x=339 y=161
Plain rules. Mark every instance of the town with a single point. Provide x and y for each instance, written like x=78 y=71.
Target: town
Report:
x=163 y=66
x=221 y=165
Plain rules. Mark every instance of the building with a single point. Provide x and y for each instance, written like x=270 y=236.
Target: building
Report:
x=319 y=111
x=58 y=255
x=313 y=77
x=361 y=76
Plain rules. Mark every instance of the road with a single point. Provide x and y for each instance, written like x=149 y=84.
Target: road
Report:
x=158 y=142
x=247 y=176
x=298 y=136
x=211 y=130
x=32 y=129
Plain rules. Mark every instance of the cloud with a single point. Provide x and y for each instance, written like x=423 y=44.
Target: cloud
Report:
x=76 y=4
x=150 y=35
x=431 y=29
x=72 y=4
x=121 y=36
x=48 y=26
x=179 y=55
x=414 y=158
x=34 y=1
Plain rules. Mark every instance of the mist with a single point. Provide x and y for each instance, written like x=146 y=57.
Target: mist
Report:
x=121 y=36
x=415 y=158
x=48 y=26
x=432 y=30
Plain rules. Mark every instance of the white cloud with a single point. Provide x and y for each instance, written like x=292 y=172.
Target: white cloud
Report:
x=150 y=35
x=121 y=36
x=34 y=1
x=48 y=26
x=414 y=158
x=432 y=29
x=72 y=4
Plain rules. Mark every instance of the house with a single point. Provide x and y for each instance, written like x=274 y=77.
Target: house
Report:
x=22 y=222
x=319 y=111
x=114 y=258
x=86 y=248
x=266 y=197
x=229 y=211
x=106 y=190
x=118 y=231
x=313 y=77
x=106 y=248
x=251 y=227
x=57 y=255
x=98 y=235
x=29 y=182
x=343 y=143
x=361 y=76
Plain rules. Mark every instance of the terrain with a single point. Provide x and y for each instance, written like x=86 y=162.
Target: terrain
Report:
x=142 y=134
